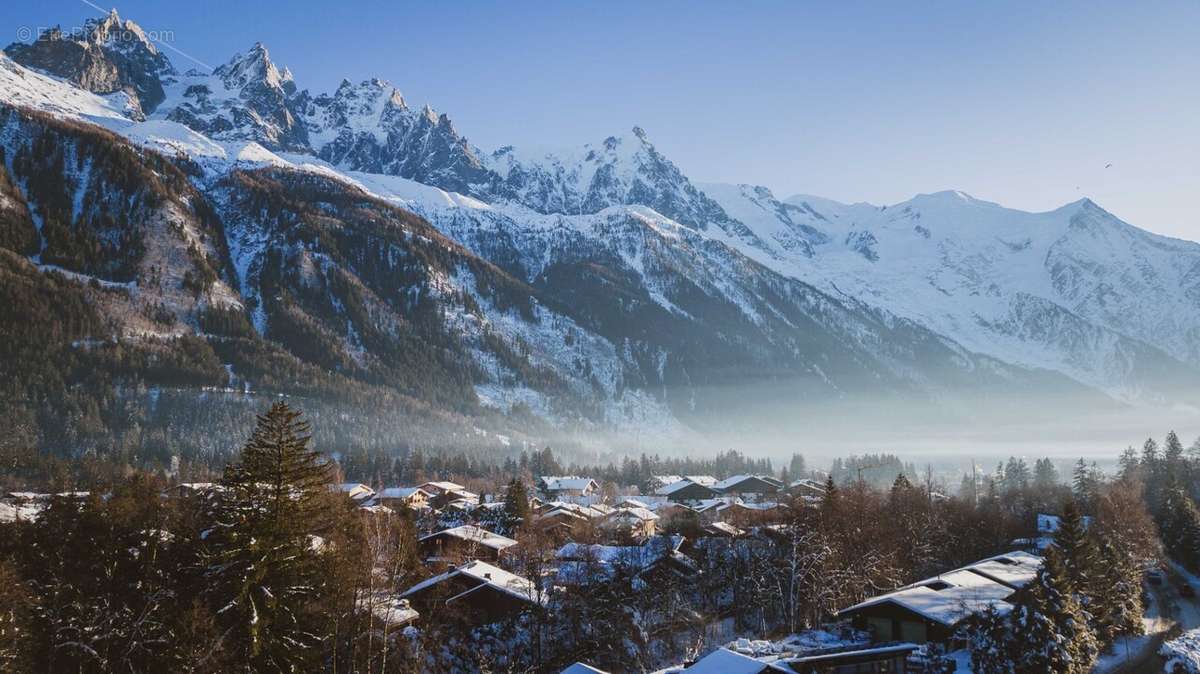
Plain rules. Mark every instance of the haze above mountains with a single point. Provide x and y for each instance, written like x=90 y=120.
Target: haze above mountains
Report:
x=596 y=291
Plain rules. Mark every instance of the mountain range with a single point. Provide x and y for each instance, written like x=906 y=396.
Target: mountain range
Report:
x=227 y=231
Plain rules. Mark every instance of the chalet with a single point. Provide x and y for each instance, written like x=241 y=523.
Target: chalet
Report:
x=187 y=490
x=440 y=488
x=657 y=560
x=686 y=491
x=891 y=658
x=570 y=486
x=403 y=497
x=721 y=530
x=631 y=521
x=476 y=592
x=460 y=543
x=743 y=514
x=932 y=609
x=806 y=488
x=389 y=611
x=357 y=492
x=725 y=661
x=748 y=487
x=581 y=668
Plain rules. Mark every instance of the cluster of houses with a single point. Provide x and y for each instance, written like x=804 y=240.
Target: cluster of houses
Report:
x=470 y=579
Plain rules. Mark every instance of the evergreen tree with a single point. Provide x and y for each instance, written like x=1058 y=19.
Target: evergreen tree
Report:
x=263 y=551
x=1084 y=483
x=1078 y=552
x=901 y=484
x=797 y=468
x=516 y=504
x=1045 y=475
x=1052 y=627
x=1117 y=595
x=1129 y=465
x=992 y=643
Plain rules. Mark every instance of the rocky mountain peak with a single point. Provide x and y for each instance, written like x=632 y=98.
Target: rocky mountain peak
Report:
x=107 y=56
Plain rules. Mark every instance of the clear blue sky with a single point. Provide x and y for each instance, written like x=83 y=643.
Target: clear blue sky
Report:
x=1021 y=103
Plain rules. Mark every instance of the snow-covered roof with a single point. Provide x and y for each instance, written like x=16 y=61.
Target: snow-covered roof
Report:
x=725 y=661
x=808 y=482
x=643 y=514
x=509 y=583
x=632 y=503
x=474 y=534
x=355 y=490
x=581 y=668
x=568 y=483
x=669 y=489
x=1015 y=569
x=442 y=486
x=731 y=482
x=401 y=492
x=946 y=599
x=706 y=480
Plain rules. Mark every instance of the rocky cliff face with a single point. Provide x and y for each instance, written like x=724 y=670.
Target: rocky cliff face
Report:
x=108 y=56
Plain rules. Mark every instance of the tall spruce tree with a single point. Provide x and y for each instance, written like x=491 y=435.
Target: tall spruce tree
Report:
x=516 y=504
x=1051 y=625
x=263 y=568
x=1077 y=548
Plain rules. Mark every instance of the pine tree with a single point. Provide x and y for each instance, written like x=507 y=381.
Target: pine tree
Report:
x=263 y=565
x=901 y=484
x=992 y=643
x=1117 y=595
x=516 y=504
x=1053 y=628
x=1077 y=548
x=1129 y=465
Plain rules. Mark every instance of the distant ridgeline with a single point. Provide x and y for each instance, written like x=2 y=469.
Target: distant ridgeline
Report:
x=176 y=249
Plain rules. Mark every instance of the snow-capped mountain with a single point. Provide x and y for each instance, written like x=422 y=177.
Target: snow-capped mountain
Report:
x=598 y=286
x=109 y=55
x=1074 y=290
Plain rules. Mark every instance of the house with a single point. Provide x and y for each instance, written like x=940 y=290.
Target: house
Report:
x=931 y=609
x=631 y=521
x=389 y=611
x=452 y=546
x=891 y=658
x=403 y=497
x=721 y=530
x=357 y=492
x=581 y=668
x=440 y=488
x=656 y=560
x=748 y=487
x=725 y=661
x=186 y=490
x=806 y=488
x=476 y=592
x=686 y=491
x=743 y=514
x=560 y=487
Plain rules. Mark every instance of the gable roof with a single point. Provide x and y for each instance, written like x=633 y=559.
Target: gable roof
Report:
x=442 y=486
x=401 y=492
x=737 y=480
x=946 y=599
x=725 y=661
x=567 y=483
x=474 y=534
x=669 y=489
x=486 y=574
x=581 y=668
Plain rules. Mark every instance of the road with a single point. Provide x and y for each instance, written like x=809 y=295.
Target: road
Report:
x=1173 y=614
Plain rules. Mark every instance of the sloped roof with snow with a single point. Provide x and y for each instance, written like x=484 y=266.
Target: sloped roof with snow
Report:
x=568 y=483
x=1015 y=569
x=725 y=661
x=946 y=599
x=509 y=583
x=669 y=489
x=401 y=492
x=736 y=480
x=474 y=534
x=581 y=668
